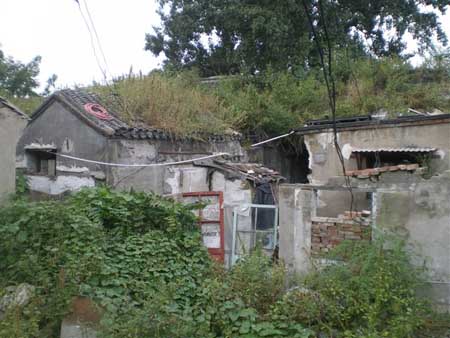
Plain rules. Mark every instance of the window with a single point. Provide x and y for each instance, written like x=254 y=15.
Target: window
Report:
x=379 y=158
x=41 y=161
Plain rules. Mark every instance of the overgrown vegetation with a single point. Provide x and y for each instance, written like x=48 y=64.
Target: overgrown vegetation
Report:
x=18 y=82
x=275 y=102
x=140 y=258
x=173 y=102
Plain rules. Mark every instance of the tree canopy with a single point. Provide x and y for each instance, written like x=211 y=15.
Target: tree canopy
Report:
x=18 y=79
x=230 y=36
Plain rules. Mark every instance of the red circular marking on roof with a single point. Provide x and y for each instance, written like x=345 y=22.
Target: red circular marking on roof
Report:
x=98 y=111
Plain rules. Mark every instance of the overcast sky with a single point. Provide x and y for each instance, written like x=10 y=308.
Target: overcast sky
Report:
x=55 y=30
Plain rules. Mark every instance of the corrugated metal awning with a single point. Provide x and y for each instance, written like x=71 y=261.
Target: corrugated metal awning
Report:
x=394 y=150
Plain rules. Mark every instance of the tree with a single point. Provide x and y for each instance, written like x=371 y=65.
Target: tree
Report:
x=230 y=36
x=18 y=79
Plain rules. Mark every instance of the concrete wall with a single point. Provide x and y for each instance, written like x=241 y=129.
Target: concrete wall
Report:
x=61 y=129
x=11 y=126
x=421 y=215
x=163 y=179
x=296 y=213
x=414 y=208
x=324 y=162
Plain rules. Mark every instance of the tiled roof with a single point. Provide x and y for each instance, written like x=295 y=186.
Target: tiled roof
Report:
x=394 y=150
x=364 y=173
x=110 y=122
x=8 y=104
x=369 y=122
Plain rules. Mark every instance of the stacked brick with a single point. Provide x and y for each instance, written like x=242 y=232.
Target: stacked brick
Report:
x=326 y=233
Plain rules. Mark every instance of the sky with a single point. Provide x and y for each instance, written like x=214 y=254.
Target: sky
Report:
x=55 y=30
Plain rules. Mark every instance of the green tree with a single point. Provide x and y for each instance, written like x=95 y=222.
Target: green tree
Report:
x=18 y=79
x=230 y=36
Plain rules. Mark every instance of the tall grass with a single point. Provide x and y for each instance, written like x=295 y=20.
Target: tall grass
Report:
x=177 y=103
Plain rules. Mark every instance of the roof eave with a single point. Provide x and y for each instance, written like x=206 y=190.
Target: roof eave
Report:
x=399 y=122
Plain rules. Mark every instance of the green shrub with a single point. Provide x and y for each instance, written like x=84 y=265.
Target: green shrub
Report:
x=140 y=258
x=113 y=247
x=370 y=292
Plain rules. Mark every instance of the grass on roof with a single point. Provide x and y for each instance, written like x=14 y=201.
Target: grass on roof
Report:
x=177 y=104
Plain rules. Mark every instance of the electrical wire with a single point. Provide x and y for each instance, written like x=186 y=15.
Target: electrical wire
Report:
x=111 y=86
x=97 y=37
x=139 y=165
x=91 y=36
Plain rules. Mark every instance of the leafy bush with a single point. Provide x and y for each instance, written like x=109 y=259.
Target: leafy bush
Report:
x=140 y=258
x=370 y=293
x=113 y=247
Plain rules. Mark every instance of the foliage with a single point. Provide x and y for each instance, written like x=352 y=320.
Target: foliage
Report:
x=140 y=258
x=18 y=79
x=229 y=37
x=221 y=306
x=275 y=102
x=18 y=82
x=173 y=102
x=370 y=292
x=79 y=247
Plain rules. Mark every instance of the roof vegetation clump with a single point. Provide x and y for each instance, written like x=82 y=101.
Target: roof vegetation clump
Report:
x=176 y=104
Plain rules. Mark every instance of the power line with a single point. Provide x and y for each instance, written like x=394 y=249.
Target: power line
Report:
x=92 y=41
x=140 y=165
x=96 y=36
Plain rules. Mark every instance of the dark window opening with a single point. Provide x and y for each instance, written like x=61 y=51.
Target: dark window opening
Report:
x=41 y=162
x=288 y=156
x=384 y=159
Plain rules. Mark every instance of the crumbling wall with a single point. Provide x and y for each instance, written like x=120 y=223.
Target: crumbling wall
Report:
x=327 y=233
x=11 y=126
x=414 y=208
x=421 y=215
x=167 y=180
x=324 y=161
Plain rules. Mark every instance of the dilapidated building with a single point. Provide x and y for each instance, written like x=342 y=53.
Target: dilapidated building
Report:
x=12 y=122
x=76 y=124
x=392 y=176
x=74 y=140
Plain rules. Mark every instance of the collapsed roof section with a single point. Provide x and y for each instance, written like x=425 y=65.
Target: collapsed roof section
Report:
x=90 y=108
x=254 y=172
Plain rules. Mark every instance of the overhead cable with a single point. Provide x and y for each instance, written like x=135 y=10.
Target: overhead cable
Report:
x=91 y=36
x=140 y=165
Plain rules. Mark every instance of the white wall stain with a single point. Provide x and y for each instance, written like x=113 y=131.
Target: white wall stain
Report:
x=40 y=146
x=72 y=169
x=347 y=151
x=59 y=185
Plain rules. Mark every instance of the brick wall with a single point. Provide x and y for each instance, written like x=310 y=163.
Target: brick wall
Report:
x=326 y=232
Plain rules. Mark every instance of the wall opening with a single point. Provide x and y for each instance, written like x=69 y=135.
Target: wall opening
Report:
x=288 y=156
x=41 y=162
x=339 y=204
x=368 y=159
